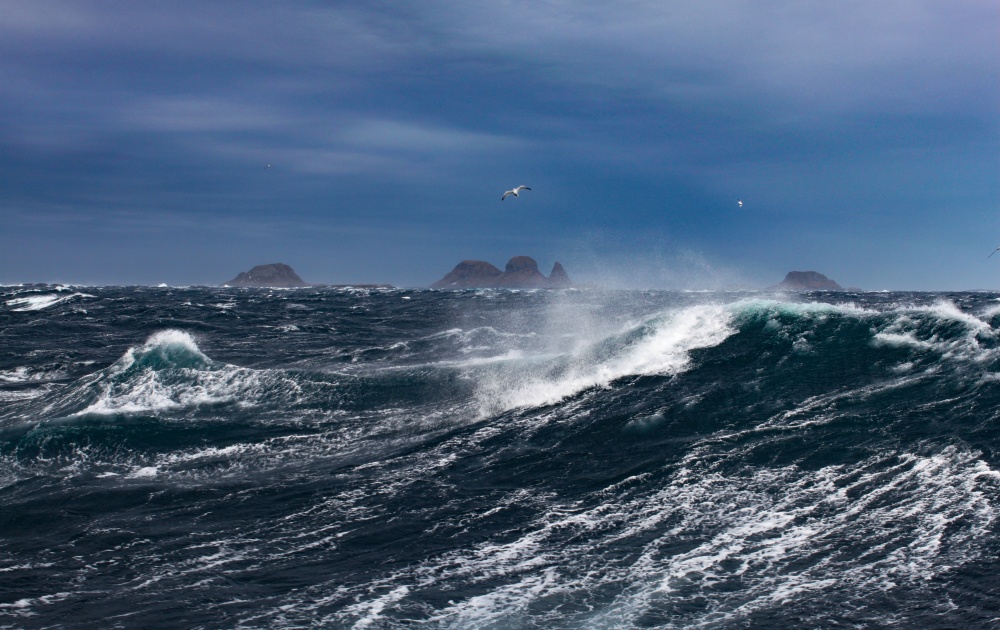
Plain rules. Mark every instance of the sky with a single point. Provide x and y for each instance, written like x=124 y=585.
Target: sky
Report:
x=862 y=137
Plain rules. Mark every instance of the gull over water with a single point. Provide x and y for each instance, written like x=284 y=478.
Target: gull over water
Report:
x=514 y=191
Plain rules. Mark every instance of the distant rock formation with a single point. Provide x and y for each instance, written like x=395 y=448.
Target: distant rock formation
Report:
x=559 y=277
x=470 y=273
x=806 y=281
x=274 y=275
x=521 y=272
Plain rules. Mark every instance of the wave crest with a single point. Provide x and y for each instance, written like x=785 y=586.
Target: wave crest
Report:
x=659 y=345
x=164 y=350
x=168 y=371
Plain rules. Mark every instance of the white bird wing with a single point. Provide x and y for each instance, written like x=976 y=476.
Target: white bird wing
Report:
x=505 y=194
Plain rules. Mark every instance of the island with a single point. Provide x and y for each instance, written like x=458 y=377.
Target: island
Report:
x=521 y=272
x=281 y=276
x=805 y=281
x=273 y=275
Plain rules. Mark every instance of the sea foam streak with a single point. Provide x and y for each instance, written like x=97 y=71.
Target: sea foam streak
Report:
x=39 y=302
x=756 y=541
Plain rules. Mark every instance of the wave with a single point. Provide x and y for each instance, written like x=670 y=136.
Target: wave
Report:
x=41 y=302
x=168 y=371
x=503 y=368
x=165 y=374
x=659 y=345
x=526 y=372
x=942 y=329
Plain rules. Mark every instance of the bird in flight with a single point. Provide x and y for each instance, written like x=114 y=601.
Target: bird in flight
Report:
x=739 y=202
x=267 y=167
x=994 y=251
x=514 y=192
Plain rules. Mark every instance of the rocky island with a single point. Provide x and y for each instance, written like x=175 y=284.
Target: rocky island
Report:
x=521 y=272
x=273 y=275
x=805 y=281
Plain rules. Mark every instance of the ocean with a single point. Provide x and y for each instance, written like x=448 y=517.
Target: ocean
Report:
x=385 y=458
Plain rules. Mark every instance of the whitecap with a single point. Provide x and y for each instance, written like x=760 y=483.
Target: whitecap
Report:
x=660 y=345
x=145 y=471
x=40 y=302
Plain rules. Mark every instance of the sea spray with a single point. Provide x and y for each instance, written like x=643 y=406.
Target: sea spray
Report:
x=659 y=345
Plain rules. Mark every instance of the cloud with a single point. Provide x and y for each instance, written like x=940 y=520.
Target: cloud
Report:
x=395 y=135
x=201 y=114
x=666 y=109
x=808 y=50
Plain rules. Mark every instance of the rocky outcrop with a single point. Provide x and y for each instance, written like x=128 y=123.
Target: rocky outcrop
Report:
x=559 y=277
x=274 y=275
x=469 y=274
x=521 y=272
x=806 y=281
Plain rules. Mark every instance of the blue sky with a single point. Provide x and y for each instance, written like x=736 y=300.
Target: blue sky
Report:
x=863 y=138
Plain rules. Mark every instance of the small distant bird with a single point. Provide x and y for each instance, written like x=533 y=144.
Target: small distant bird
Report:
x=739 y=202
x=514 y=192
x=994 y=251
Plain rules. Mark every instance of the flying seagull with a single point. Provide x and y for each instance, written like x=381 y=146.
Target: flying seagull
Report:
x=514 y=192
x=994 y=251
x=267 y=167
x=739 y=202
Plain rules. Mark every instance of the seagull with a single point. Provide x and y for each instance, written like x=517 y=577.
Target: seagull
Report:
x=739 y=202
x=514 y=192
x=267 y=167
x=994 y=251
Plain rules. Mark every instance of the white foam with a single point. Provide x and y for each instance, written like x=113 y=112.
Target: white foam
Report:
x=172 y=337
x=150 y=391
x=26 y=567
x=22 y=606
x=918 y=327
x=658 y=346
x=173 y=387
x=946 y=310
x=773 y=534
x=763 y=305
x=213 y=452
x=17 y=375
x=371 y=611
x=908 y=338
x=40 y=302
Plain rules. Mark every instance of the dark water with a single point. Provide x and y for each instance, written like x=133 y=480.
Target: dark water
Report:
x=387 y=458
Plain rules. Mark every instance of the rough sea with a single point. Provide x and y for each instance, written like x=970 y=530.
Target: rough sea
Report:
x=386 y=458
